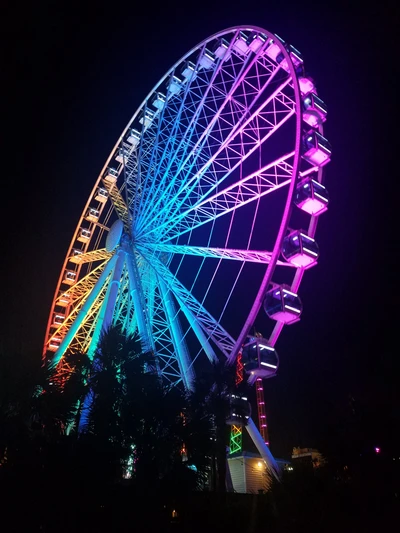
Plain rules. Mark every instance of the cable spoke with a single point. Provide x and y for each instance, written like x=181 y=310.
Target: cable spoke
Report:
x=210 y=326
x=254 y=186
x=251 y=256
x=241 y=142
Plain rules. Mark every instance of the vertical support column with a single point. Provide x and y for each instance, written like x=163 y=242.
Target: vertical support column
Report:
x=262 y=417
x=236 y=438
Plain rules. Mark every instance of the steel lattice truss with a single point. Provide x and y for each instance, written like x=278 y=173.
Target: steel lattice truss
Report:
x=199 y=181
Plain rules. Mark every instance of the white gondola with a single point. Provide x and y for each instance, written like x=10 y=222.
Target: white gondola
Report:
x=255 y=41
x=101 y=195
x=300 y=250
x=111 y=175
x=54 y=344
x=175 y=85
x=221 y=50
x=58 y=319
x=133 y=137
x=314 y=110
x=64 y=300
x=75 y=253
x=92 y=214
x=311 y=196
x=146 y=117
x=207 y=59
x=283 y=305
x=84 y=235
x=69 y=277
x=240 y=45
x=159 y=100
x=316 y=149
x=259 y=359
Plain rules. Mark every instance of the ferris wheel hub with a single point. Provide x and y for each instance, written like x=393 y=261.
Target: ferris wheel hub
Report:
x=114 y=235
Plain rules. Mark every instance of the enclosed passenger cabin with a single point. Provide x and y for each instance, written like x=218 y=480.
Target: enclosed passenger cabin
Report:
x=207 y=60
x=159 y=100
x=316 y=149
x=133 y=137
x=146 y=117
x=69 y=277
x=283 y=305
x=175 y=85
x=75 y=253
x=300 y=250
x=273 y=50
x=189 y=71
x=58 y=319
x=64 y=300
x=255 y=41
x=54 y=344
x=239 y=410
x=101 y=195
x=123 y=153
x=84 y=235
x=92 y=214
x=240 y=45
x=314 y=110
x=221 y=50
x=295 y=56
x=306 y=85
x=311 y=196
x=259 y=359
x=110 y=175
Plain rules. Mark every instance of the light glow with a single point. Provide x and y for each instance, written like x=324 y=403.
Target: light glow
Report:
x=269 y=365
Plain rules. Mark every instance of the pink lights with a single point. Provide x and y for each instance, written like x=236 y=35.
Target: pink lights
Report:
x=317 y=149
x=311 y=196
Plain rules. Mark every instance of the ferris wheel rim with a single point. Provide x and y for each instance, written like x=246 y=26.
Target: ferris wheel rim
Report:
x=295 y=172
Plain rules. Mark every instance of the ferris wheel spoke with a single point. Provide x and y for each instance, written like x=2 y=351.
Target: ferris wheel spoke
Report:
x=83 y=313
x=123 y=309
x=250 y=256
x=210 y=326
x=184 y=118
x=222 y=113
x=81 y=288
x=238 y=147
x=250 y=188
x=119 y=203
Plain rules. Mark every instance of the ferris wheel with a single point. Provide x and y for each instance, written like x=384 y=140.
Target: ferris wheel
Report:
x=185 y=234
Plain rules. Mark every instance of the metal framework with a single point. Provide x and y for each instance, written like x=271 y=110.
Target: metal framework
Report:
x=202 y=180
x=236 y=438
x=262 y=417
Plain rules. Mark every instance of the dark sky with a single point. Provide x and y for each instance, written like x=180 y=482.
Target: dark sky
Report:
x=73 y=78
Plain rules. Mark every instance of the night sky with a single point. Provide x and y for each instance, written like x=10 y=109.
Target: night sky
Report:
x=75 y=76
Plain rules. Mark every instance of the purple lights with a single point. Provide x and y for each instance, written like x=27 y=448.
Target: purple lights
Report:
x=300 y=250
x=317 y=149
x=311 y=196
x=283 y=305
x=315 y=110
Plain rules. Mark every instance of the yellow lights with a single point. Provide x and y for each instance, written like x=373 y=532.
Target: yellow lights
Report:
x=260 y=464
